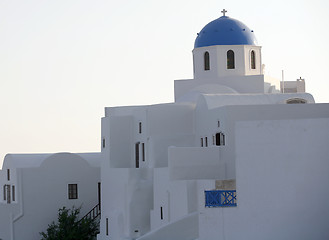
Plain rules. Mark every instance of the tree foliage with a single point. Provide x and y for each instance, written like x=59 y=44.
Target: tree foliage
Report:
x=70 y=227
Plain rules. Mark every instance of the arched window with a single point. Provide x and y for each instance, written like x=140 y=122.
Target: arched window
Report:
x=230 y=59
x=296 y=101
x=253 y=59
x=220 y=139
x=206 y=61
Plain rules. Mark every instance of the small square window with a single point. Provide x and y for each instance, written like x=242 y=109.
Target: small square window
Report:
x=73 y=191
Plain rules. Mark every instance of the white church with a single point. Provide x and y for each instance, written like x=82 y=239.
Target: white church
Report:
x=231 y=158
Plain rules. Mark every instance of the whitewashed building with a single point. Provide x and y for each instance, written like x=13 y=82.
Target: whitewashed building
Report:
x=35 y=186
x=231 y=158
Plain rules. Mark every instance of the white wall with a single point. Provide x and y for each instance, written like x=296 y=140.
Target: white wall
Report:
x=171 y=120
x=120 y=141
x=45 y=190
x=162 y=125
x=258 y=60
x=127 y=199
x=282 y=177
x=161 y=198
x=219 y=85
x=13 y=181
x=218 y=61
x=239 y=69
x=185 y=228
x=190 y=163
x=176 y=198
x=198 y=62
x=181 y=126
x=7 y=211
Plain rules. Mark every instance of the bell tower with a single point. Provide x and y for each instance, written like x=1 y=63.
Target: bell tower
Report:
x=226 y=47
x=226 y=60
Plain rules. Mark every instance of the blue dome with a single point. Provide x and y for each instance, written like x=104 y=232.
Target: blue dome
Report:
x=225 y=31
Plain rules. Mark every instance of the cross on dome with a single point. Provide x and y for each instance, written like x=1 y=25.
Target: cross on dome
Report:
x=224 y=11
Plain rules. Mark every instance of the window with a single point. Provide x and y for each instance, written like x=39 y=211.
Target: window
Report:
x=296 y=101
x=103 y=143
x=161 y=213
x=13 y=193
x=99 y=195
x=206 y=141
x=217 y=139
x=193 y=65
x=137 y=154
x=201 y=142
x=206 y=61
x=220 y=139
x=140 y=127
x=107 y=227
x=218 y=123
x=253 y=59
x=7 y=193
x=73 y=191
x=8 y=174
x=4 y=192
x=143 y=152
x=230 y=59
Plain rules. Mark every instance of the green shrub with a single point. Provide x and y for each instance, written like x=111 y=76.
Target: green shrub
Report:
x=70 y=227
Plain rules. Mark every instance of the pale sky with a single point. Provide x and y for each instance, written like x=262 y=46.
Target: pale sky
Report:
x=63 y=61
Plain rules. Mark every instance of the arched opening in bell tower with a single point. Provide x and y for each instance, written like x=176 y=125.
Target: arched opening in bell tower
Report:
x=206 y=61
x=230 y=59
x=252 y=59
